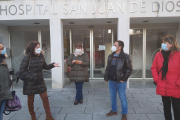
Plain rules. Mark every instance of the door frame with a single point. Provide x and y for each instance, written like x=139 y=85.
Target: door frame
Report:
x=91 y=48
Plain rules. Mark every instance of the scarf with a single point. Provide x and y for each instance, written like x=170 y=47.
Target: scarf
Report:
x=2 y=58
x=165 y=63
x=78 y=53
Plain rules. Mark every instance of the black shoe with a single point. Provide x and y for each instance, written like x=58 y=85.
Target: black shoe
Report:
x=76 y=102
x=81 y=101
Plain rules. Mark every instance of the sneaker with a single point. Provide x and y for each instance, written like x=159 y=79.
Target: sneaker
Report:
x=124 y=117
x=111 y=113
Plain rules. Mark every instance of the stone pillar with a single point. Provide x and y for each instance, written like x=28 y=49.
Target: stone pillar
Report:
x=123 y=32
x=57 y=52
x=123 y=27
x=178 y=34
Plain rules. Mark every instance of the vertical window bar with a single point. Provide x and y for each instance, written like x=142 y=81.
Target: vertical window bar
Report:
x=40 y=38
x=70 y=36
x=144 y=53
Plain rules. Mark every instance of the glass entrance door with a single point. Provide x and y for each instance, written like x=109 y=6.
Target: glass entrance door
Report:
x=82 y=36
x=97 y=44
x=102 y=42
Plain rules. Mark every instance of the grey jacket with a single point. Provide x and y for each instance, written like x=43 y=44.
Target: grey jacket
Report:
x=79 y=73
x=5 y=83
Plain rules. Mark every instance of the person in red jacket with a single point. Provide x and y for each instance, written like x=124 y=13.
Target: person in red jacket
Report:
x=166 y=74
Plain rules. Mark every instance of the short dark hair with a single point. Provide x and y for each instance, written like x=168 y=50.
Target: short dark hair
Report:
x=120 y=43
x=30 y=47
x=78 y=44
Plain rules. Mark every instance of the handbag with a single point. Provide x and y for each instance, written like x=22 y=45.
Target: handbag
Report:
x=18 y=74
x=13 y=104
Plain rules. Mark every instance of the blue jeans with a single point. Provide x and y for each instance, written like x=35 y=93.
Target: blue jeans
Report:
x=2 y=107
x=79 y=86
x=121 y=89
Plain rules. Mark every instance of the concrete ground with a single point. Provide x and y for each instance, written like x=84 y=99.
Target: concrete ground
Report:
x=143 y=103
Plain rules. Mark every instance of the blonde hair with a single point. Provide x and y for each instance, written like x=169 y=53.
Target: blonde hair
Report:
x=173 y=41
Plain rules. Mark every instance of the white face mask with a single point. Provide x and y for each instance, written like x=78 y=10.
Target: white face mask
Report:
x=78 y=50
x=38 y=51
x=113 y=49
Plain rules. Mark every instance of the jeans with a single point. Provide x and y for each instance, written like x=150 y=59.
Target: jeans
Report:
x=120 y=87
x=167 y=107
x=2 y=107
x=79 y=86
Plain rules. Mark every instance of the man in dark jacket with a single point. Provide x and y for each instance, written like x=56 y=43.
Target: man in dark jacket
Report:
x=118 y=70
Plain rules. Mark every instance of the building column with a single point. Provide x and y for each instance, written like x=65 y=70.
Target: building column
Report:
x=123 y=27
x=123 y=32
x=178 y=34
x=57 y=52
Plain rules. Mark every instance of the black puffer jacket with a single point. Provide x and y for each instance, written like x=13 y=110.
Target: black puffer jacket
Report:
x=34 y=83
x=123 y=67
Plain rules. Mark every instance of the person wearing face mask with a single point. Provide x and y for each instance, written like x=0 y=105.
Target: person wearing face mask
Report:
x=34 y=82
x=79 y=62
x=5 y=82
x=166 y=74
x=118 y=70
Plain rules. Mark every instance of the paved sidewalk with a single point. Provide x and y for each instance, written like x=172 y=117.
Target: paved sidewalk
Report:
x=143 y=104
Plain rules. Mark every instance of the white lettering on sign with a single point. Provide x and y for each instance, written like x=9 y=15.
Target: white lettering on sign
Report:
x=143 y=11
x=53 y=10
x=168 y=6
x=66 y=9
x=119 y=7
x=84 y=8
x=135 y=6
x=104 y=10
x=110 y=7
x=94 y=9
x=73 y=9
x=46 y=9
x=178 y=4
x=81 y=8
x=155 y=7
x=28 y=8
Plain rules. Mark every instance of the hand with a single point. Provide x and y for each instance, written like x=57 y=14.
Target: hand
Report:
x=122 y=81
x=106 y=81
x=74 y=61
x=80 y=62
x=56 y=65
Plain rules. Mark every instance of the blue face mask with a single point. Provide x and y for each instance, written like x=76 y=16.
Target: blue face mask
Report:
x=164 y=46
x=3 y=52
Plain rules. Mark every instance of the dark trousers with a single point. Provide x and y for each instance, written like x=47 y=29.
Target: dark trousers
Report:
x=2 y=107
x=45 y=101
x=167 y=107
x=79 y=86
